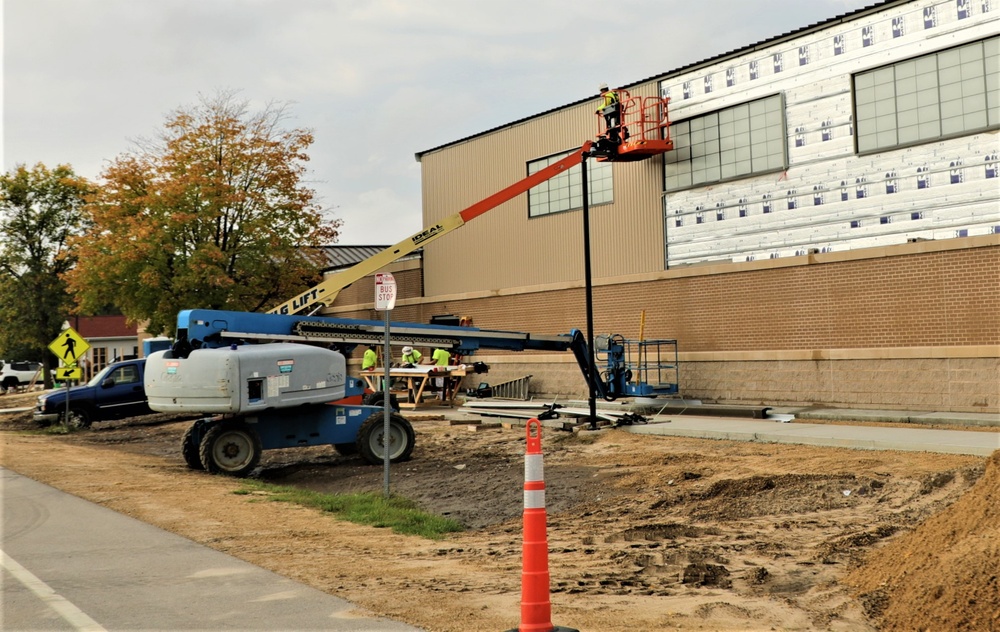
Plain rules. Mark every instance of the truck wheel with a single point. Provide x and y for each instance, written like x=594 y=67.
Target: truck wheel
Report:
x=378 y=399
x=9 y=384
x=401 y=438
x=231 y=448
x=346 y=449
x=190 y=449
x=78 y=418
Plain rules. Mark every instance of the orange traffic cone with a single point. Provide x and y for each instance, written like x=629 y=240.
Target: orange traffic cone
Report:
x=536 y=608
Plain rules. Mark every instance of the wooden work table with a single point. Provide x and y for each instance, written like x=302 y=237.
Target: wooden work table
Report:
x=410 y=385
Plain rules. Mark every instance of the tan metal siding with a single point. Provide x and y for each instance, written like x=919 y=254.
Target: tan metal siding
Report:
x=506 y=249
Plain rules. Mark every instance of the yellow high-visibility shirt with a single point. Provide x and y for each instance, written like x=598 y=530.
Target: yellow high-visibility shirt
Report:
x=441 y=357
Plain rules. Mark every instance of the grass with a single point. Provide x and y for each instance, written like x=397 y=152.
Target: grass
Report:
x=373 y=509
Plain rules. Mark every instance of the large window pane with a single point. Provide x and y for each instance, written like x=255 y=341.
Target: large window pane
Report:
x=730 y=143
x=947 y=93
x=564 y=192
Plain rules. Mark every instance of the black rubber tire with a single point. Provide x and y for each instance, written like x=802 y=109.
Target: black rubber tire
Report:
x=190 y=449
x=346 y=449
x=79 y=418
x=9 y=383
x=401 y=438
x=378 y=398
x=231 y=448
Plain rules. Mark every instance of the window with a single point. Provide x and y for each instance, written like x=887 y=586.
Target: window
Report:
x=127 y=374
x=951 y=92
x=731 y=143
x=564 y=192
x=100 y=358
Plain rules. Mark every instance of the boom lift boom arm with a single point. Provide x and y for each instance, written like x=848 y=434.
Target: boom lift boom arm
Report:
x=326 y=292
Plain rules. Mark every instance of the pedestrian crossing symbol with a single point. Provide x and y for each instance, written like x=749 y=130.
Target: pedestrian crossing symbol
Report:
x=69 y=346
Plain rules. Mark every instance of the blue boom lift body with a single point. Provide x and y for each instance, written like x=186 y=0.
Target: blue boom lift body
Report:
x=296 y=392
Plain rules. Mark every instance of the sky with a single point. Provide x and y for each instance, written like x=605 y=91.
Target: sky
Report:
x=377 y=81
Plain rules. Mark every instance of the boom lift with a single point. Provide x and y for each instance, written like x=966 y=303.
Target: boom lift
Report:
x=295 y=391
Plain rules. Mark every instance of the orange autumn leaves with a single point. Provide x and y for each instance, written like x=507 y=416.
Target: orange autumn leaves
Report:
x=212 y=214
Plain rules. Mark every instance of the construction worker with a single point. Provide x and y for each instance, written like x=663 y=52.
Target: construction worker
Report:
x=441 y=357
x=611 y=109
x=370 y=359
x=411 y=357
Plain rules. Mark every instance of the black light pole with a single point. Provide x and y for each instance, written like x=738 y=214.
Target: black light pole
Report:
x=588 y=298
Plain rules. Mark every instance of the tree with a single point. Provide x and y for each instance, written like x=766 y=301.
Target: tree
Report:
x=211 y=214
x=40 y=210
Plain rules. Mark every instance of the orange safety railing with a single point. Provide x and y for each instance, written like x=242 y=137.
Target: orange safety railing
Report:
x=644 y=126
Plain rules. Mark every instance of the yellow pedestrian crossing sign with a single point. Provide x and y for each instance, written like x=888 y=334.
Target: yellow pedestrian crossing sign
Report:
x=64 y=373
x=69 y=346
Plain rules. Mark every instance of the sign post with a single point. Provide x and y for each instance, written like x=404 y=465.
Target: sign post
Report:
x=385 y=300
x=69 y=347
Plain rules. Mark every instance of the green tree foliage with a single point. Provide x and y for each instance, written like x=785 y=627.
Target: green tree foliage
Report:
x=211 y=214
x=40 y=210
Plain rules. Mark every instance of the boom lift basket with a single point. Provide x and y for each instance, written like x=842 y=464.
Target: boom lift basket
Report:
x=644 y=128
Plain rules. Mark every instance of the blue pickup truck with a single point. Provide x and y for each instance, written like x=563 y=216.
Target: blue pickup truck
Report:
x=114 y=393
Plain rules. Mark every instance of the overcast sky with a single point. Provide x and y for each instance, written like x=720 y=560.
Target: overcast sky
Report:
x=377 y=81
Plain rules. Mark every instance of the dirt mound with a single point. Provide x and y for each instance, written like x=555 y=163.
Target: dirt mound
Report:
x=945 y=574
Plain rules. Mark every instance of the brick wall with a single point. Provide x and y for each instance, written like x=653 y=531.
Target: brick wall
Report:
x=915 y=326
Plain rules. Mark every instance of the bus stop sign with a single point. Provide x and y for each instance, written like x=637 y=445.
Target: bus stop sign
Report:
x=385 y=291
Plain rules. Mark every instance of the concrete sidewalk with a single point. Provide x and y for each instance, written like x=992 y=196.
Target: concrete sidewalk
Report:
x=897 y=416
x=792 y=425
x=830 y=435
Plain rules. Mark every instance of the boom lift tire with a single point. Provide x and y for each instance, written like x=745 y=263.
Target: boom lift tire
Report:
x=401 y=438
x=232 y=448
x=378 y=399
x=190 y=449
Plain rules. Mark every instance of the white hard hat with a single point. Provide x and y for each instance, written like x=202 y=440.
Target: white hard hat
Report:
x=407 y=350
x=603 y=87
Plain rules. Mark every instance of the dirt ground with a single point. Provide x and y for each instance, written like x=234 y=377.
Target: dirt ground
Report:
x=644 y=533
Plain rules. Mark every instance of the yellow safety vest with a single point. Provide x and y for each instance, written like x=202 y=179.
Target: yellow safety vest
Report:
x=610 y=98
x=441 y=357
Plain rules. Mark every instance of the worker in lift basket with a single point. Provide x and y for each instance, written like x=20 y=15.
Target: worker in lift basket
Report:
x=411 y=357
x=370 y=359
x=440 y=357
x=611 y=109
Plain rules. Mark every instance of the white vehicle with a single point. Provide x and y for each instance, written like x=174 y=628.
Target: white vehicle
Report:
x=14 y=374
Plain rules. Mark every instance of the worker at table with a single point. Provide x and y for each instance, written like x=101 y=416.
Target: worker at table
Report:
x=440 y=357
x=411 y=357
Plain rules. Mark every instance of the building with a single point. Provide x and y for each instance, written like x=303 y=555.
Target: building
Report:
x=826 y=230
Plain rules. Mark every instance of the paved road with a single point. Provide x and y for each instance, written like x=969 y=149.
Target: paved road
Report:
x=67 y=564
